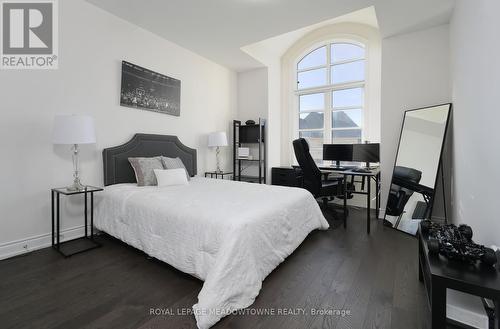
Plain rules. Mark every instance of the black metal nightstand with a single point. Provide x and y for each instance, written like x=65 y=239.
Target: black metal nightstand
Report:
x=78 y=245
x=216 y=174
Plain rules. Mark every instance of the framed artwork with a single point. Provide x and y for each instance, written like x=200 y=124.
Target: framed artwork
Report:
x=148 y=90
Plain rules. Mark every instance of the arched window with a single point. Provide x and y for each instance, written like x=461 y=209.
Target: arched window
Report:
x=330 y=90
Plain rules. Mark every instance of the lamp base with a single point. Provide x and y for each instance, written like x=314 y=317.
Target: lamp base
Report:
x=217 y=155
x=76 y=186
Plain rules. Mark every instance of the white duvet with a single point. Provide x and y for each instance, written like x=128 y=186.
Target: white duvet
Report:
x=229 y=234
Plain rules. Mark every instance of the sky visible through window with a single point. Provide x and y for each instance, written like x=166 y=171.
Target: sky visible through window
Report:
x=330 y=82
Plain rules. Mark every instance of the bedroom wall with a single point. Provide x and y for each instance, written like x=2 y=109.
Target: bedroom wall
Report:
x=92 y=45
x=252 y=95
x=415 y=73
x=252 y=105
x=476 y=77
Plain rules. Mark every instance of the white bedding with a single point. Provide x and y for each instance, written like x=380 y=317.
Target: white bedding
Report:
x=229 y=234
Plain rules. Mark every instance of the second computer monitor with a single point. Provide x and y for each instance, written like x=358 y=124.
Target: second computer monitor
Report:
x=368 y=152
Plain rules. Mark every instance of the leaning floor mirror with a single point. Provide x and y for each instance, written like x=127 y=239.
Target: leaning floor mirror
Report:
x=418 y=161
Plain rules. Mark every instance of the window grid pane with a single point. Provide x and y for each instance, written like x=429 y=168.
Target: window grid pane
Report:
x=345 y=51
x=315 y=140
x=315 y=58
x=312 y=102
x=348 y=97
x=341 y=73
x=311 y=120
x=347 y=118
x=346 y=136
x=312 y=78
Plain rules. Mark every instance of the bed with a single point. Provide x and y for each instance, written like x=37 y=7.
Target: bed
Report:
x=229 y=234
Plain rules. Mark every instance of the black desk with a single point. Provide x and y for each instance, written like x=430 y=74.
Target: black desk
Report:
x=439 y=273
x=373 y=174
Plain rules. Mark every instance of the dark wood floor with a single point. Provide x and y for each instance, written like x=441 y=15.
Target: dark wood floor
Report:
x=372 y=276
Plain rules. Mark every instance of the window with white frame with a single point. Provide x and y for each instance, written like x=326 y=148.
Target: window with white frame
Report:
x=330 y=90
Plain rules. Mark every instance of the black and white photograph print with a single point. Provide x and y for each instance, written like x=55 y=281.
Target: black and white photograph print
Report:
x=148 y=90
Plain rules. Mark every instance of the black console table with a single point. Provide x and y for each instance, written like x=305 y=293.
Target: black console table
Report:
x=216 y=174
x=78 y=245
x=438 y=273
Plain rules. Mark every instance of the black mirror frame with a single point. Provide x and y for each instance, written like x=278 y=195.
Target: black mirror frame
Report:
x=450 y=109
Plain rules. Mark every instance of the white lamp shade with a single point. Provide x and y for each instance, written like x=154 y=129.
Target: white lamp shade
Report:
x=217 y=139
x=73 y=129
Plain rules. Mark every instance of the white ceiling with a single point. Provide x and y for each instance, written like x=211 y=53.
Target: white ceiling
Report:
x=266 y=51
x=218 y=29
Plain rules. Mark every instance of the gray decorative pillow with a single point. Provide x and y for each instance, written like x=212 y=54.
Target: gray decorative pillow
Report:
x=174 y=163
x=144 y=170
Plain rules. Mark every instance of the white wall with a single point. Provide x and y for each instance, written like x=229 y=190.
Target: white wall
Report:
x=415 y=73
x=476 y=81
x=252 y=95
x=252 y=105
x=92 y=45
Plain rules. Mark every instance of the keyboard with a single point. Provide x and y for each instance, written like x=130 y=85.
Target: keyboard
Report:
x=338 y=168
x=361 y=170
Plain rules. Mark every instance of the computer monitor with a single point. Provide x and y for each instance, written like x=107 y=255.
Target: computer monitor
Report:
x=337 y=152
x=369 y=152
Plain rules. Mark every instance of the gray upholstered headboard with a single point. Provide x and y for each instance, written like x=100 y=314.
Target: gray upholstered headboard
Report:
x=117 y=169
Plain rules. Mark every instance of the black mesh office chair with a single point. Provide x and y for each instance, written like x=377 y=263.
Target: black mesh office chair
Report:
x=399 y=196
x=325 y=190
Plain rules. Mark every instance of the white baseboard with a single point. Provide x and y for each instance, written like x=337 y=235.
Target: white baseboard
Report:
x=22 y=246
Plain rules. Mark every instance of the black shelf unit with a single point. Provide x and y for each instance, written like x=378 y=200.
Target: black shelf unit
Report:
x=248 y=136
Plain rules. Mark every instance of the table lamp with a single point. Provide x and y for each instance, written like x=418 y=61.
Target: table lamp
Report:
x=217 y=139
x=72 y=129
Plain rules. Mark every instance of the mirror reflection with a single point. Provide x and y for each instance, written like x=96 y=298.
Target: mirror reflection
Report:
x=413 y=184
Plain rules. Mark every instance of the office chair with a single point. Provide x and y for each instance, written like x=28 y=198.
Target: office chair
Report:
x=325 y=190
x=399 y=196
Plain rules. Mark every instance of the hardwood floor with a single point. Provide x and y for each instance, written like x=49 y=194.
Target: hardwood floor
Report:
x=374 y=277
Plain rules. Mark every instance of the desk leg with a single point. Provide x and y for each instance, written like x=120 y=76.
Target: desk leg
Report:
x=345 y=201
x=58 y=228
x=438 y=304
x=86 y=222
x=92 y=215
x=368 y=206
x=377 y=196
x=52 y=207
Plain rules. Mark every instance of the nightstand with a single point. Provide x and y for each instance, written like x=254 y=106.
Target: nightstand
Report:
x=78 y=245
x=216 y=174
x=439 y=273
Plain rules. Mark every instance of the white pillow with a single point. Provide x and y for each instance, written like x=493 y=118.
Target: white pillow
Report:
x=169 y=177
